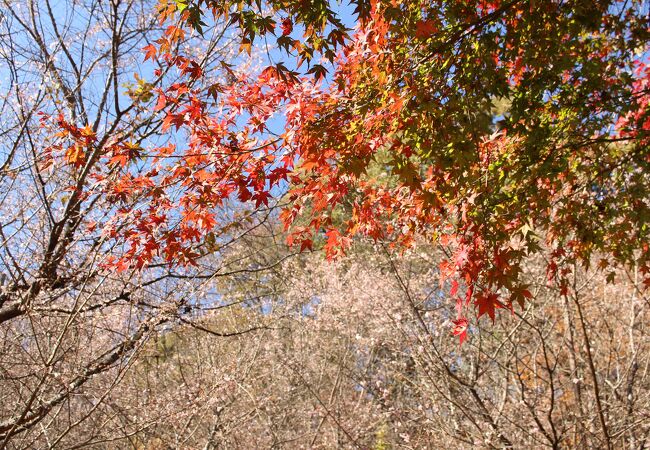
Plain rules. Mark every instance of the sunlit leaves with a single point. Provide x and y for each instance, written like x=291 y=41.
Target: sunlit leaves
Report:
x=460 y=329
x=437 y=122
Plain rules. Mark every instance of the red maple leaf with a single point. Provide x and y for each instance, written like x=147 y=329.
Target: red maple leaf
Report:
x=287 y=26
x=487 y=304
x=425 y=29
x=149 y=52
x=460 y=328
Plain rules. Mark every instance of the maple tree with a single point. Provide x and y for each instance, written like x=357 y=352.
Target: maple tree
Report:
x=499 y=129
x=436 y=122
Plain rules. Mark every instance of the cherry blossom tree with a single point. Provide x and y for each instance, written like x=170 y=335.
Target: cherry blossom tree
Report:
x=79 y=106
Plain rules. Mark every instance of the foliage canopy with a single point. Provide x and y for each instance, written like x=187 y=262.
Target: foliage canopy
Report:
x=498 y=129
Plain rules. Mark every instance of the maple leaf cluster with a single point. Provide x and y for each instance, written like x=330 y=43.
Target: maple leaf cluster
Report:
x=497 y=129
